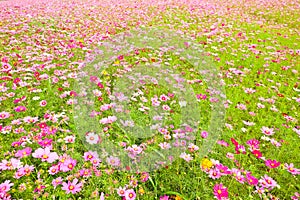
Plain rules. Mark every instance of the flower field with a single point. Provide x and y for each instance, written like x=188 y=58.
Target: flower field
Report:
x=149 y=122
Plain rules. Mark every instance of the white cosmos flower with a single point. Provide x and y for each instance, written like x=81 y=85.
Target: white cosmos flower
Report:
x=92 y=138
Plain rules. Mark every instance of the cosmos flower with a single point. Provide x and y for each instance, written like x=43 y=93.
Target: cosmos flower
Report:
x=57 y=181
x=90 y=155
x=113 y=161
x=268 y=182
x=251 y=179
x=68 y=165
x=130 y=194
x=272 y=163
x=72 y=187
x=121 y=191
x=4 y=115
x=220 y=192
x=20 y=109
x=24 y=152
x=92 y=138
x=45 y=155
x=290 y=168
x=186 y=157
x=267 y=131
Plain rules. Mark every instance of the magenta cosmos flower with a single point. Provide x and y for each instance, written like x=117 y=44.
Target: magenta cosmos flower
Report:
x=45 y=155
x=20 y=109
x=165 y=197
x=72 y=187
x=272 y=163
x=220 y=192
x=251 y=179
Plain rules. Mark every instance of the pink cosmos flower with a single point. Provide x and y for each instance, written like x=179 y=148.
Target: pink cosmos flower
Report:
x=45 y=155
x=155 y=101
x=186 y=157
x=88 y=156
x=27 y=169
x=214 y=173
x=6 y=67
x=56 y=182
x=224 y=170
x=19 y=174
x=272 y=163
x=113 y=161
x=241 y=106
x=29 y=119
x=192 y=147
x=259 y=190
x=240 y=178
x=164 y=97
x=144 y=176
x=223 y=143
x=24 y=152
x=102 y=197
x=253 y=143
x=268 y=182
x=133 y=182
x=121 y=191
x=43 y=103
x=72 y=187
x=130 y=194
x=108 y=120
x=4 y=115
x=267 y=131
x=166 y=107
x=68 y=165
x=220 y=192
x=95 y=162
x=5 y=186
x=85 y=172
x=290 y=168
x=296 y=196
x=39 y=189
x=69 y=139
x=11 y=164
x=54 y=169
